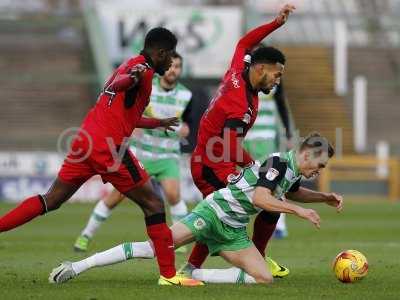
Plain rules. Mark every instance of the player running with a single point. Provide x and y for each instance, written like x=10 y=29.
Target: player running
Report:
x=100 y=148
x=230 y=115
x=158 y=150
x=220 y=220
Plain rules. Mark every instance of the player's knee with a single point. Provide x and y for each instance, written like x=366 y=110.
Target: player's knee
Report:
x=154 y=204
x=172 y=196
x=51 y=202
x=113 y=199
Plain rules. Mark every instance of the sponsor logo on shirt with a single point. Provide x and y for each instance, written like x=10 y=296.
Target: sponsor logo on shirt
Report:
x=272 y=174
x=235 y=177
x=235 y=81
x=246 y=118
x=199 y=224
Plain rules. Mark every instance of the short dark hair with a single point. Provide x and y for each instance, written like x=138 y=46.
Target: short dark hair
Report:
x=318 y=143
x=177 y=55
x=160 y=38
x=268 y=55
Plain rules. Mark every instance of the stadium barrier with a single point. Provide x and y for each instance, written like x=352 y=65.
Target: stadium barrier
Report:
x=362 y=168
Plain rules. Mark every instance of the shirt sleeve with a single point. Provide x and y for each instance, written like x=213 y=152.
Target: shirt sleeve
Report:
x=271 y=173
x=295 y=187
x=148 y=123
x=122 y=79
x=249 y=41
x=235 y=106
x=237 y=125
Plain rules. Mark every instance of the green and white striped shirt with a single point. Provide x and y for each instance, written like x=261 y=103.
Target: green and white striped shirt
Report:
x=233 y=204
x=266 y=125
x=155 y=143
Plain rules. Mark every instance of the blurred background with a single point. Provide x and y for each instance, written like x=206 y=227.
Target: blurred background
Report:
x=342 y=78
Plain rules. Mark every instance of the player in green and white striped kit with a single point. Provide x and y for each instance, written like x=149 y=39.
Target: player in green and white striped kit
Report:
x=265 y=137
x=220 y=221
x=158 y=150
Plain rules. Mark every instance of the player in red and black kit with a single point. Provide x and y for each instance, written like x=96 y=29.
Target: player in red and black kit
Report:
x=229 y=116
x=101 y=148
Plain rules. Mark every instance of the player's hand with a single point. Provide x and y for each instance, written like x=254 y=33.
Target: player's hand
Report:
x=284 y=13
x=311 y=215
x=168 y=123
x=334 y=200
x=136 y=73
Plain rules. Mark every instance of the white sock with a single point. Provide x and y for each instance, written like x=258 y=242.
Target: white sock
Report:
x=100 y=213
x=178 y=211
x=114 y=255
x=281 y=225
x=231 y=275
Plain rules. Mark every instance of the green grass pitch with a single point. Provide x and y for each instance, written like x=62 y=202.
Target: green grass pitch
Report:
x=28 y=254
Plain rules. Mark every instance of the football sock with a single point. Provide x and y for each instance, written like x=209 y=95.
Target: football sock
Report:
x=27 y=210
x=199 y=255
x=231 y=275
x=281 y=225
x=264 y=226
x=161 y=236
x=178 y=211
x=100 y=213
x=114 y=255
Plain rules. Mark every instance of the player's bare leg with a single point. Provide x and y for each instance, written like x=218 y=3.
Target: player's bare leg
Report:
x=171 y=190
x=249 y=267
x=68 y=270
x=35 y=206
x=100 y=214
x=113 y=199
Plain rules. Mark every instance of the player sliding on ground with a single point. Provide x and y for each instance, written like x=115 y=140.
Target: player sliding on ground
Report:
x=100 y=147
x=220 y=220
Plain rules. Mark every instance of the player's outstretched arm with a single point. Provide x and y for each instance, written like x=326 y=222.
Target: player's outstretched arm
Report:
x=151 y=123
x=264 y=199
x=309 y=196
x=255 y=36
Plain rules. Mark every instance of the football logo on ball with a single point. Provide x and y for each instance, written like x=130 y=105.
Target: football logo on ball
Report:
x=350 y=266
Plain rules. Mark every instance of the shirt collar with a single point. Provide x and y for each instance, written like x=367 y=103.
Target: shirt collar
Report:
x=291 y=155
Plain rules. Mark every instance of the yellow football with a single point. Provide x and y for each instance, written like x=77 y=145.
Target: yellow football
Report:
x=350 y=266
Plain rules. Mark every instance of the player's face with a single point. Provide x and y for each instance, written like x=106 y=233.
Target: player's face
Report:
x=174 y=72
x=272 y=74
x=164 y=61
x=312 y=165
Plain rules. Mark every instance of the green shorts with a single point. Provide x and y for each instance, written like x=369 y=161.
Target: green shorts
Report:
x=167 y=168
x=208 y=229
